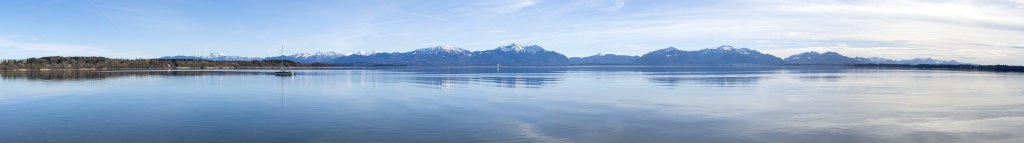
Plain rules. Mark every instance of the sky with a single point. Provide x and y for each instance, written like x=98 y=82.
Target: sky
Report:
x=983 y=32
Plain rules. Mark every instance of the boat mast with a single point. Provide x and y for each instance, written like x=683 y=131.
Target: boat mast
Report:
x=282 y=58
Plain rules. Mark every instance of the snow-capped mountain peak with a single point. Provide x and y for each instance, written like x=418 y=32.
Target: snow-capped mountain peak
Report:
x=816 y=58
x=216 y=54
x=302 y=55
x=665 y=51
x=327 y=54
x=914 y=61
x=446 y=48
x=514 y=47
x=364 y=53
x=319 y=54
x=740 y=50
x=722 y=55
x=729 y=49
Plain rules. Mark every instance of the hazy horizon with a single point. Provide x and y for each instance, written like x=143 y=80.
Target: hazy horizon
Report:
x=982 y=32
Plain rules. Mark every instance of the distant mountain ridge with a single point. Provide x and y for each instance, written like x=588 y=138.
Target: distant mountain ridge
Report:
x=914 y=61
x=815 y=58
x=607 y=59
x=723 y=55
x=215 y=56
x=517 y=54
x=513 y=54
x=833 y=58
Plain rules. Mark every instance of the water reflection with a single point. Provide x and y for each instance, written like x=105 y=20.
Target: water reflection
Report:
x=561 y=104
x=441 y=82
x=506 y=77
x=519 y=82
x=708 y=70
x=76 y=75
x=282 y=88
x=450 y=77
x=480 y=70
x=823 y=78
x=708 y=77
x=823 y=70
x=497 y=81
x=706 y=81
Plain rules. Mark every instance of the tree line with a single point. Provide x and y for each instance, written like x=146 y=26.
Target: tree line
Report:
x=995 y=68
x=102 y=63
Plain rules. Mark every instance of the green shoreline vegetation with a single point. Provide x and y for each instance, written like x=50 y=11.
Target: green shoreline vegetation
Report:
x=992 y=68
x=102 y=63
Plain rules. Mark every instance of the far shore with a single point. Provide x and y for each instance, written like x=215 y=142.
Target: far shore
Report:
x=989 y=68
x=176 y=68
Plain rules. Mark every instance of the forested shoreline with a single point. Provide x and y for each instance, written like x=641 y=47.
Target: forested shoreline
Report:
x=993 y=68
x=102 y=63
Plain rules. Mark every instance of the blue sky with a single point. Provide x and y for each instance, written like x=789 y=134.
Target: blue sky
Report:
x=987 y=32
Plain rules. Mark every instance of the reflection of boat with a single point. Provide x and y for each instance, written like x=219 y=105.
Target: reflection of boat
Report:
x=283 y=72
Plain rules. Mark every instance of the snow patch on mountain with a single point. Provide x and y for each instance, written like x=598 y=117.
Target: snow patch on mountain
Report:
x=443 y=49
x=514 y=47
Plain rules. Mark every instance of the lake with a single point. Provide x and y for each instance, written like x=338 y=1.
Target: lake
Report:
x=515 y=104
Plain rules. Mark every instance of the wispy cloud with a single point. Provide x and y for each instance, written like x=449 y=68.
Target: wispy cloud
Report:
x=496 y=31
x=603 y=5
x=105 y=15
x=506 y=6
x=14 y=36
x=14 y=48
x=44 y=48
x=150 y=16
x=432 y=17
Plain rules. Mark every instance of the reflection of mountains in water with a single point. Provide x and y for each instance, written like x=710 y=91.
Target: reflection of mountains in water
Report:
x=706 y=81
x=707 y=76
x=446 y=77
x=74 y=75
x=481 y=70
x=506 y=77
x=824 y=78
x=824 y=74
x=564 y=69
x=499 y=81
x=736 y=76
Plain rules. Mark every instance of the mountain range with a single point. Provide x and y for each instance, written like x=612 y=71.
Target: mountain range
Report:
x=815 y=58
x=833 y=58
x=516 y=54
x=513 y=54
x=604 y=59
x=723 y=55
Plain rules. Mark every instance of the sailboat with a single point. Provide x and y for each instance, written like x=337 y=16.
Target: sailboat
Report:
x=283 y=72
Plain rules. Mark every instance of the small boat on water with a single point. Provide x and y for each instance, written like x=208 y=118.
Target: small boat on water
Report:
x=283 y=72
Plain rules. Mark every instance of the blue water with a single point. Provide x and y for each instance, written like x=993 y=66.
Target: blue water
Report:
x=515 y=104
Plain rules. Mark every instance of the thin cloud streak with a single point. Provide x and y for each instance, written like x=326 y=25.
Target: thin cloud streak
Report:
x=105 y=15
x=432 y=17
x=514 y=6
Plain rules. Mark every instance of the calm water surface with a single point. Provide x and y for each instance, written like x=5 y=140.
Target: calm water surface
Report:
x=515 y=104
